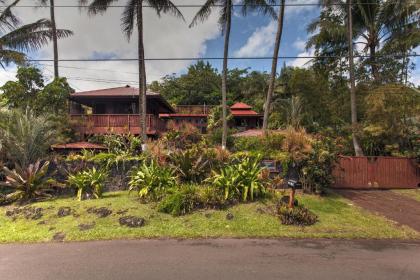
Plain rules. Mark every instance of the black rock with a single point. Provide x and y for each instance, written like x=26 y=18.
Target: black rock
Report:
x=64 y=211
x=59 y=236
x=84 y=227
x=229 y=216
x=101 y=212
x=131 y=221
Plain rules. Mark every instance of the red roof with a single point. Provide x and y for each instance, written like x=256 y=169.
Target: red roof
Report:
x=244 y=113
x=79 y=146
x=240 y=106
x=112 y=92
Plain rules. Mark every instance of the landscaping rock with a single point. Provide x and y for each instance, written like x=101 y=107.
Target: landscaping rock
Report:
x=64 y=211
x=229 y=216
x=131 y=221
x=59 y=236
x=29 y=213
x=84 y=227
x=101 y=212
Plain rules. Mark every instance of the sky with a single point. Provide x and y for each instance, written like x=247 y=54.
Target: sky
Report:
x=101 y=37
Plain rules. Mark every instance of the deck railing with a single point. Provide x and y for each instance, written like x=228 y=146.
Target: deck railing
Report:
x=115 y=123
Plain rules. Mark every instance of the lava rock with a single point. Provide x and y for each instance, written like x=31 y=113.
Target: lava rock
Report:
x=101 y=212
x=229 y=216
x=64 y=211
x=59 y=236
x=84 y=227
x=131 y=221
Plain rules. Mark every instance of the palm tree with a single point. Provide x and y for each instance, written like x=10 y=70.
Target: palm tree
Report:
x=54 y=34
x=16 y=39
x=267 y=105
x=132 y=16
x=225 y=22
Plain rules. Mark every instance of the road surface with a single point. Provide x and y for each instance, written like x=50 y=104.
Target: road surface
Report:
x=212 y=259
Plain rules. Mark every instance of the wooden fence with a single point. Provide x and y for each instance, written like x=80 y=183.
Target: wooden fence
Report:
x=376 y=173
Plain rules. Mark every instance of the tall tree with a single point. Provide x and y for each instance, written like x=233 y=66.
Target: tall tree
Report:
x=225 y=22
x=54 y=33
x=132 y=16
x=17 y=39
x=357 y=149
x=271 y=86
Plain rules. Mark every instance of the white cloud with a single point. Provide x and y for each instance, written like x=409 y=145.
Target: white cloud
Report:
x=292 y=11
x=299 y=44
x=303 y=61
x=415 y=79
x=260 y=42
x=164 y=37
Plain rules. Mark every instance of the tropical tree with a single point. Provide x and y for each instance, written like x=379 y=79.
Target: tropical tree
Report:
x=132 y=17
x=16 y=39
x=225 y=22
x=271 y=86
x=54 y=33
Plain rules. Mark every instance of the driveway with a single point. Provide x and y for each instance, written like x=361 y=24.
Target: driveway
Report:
x=403 y=210
x=212 y=259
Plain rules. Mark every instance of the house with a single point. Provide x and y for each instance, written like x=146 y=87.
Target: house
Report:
x=115 y=110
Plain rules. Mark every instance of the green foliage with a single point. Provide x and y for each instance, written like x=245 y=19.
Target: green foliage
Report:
x=214 y=137
x=297 y=216
x=89 y=183
x=212 y=197
x=190 y=165
x=269 y=146
x=30 y=92
x=316 y=171
x=181 y=201
x=182 y=136
x=25 y=137
x=151 y=180
x=28 y=184
x=240 y=180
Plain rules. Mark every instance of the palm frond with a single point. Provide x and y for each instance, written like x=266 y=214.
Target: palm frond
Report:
x=263 y=6
x=11 y=56
x=204 y=12
x=7 y=19
x=129 y=17
x=166 y=6
x=98 y=6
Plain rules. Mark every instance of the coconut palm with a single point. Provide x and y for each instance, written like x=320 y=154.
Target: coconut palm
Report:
x=225 y=22
x=271 y=86
x=54 y=33
x=16 y=39
x=132 y=17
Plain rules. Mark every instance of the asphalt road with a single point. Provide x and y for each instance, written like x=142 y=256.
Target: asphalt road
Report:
x=212 y=259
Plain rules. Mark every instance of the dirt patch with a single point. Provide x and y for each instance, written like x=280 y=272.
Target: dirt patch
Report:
x=59 y=237
x=85 y=227
x=131 y=221
x=29 y=213
x=401 y=209
x=101 y=212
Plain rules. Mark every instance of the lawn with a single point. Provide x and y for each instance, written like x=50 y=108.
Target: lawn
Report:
x=337 y=219
x=413 y=193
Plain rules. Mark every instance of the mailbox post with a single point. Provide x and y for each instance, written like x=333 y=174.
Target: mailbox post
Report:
x=293 y=185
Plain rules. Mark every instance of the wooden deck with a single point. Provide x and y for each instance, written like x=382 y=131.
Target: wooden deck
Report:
x=118 y=124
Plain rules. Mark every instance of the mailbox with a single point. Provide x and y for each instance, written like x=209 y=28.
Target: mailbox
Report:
x=294 y=184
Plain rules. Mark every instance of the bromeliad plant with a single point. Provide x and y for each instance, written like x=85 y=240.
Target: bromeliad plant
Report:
x=151 y=180
x=240 y=180
x=89 y=183
x=28 y=184
x=190 y=165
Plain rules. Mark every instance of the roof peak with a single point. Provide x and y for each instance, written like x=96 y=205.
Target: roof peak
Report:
x=240 y=106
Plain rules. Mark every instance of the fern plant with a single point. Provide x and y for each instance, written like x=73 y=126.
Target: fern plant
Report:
x=29 y=183
x=151 y=180
x=89 y=183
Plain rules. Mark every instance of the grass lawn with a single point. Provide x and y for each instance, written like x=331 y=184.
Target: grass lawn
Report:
x=413 y=193
x=337 y=219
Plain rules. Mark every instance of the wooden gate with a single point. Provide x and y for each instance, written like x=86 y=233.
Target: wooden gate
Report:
x=376 y=173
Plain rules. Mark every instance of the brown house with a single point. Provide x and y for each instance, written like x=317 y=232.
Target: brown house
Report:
x=115 y=110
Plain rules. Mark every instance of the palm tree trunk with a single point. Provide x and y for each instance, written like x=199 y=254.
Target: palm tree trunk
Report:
x=357 y=149
x=224 y=75
x=54 y=37
x=374 y=67
x=271 y=86
x=142 y=75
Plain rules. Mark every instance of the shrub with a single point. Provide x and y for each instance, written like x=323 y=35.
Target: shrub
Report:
x=89 y=183
x=212 y=198
x=190 y=165
x=28 y=184
x=181 y=201
x=151 y=180
x=297 y=143
x=298 y=216
x=268 y=145
x=240 y=180
x=182 y=135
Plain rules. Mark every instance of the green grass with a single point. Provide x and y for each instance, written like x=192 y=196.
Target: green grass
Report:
x=338 y=219
x=413 y=193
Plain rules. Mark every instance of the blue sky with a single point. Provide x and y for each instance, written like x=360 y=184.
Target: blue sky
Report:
x=101 y=37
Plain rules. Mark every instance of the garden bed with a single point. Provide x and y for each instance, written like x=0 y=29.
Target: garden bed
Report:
x=86 y=220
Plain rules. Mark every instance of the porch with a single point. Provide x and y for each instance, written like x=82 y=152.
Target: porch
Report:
x=97 y=124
